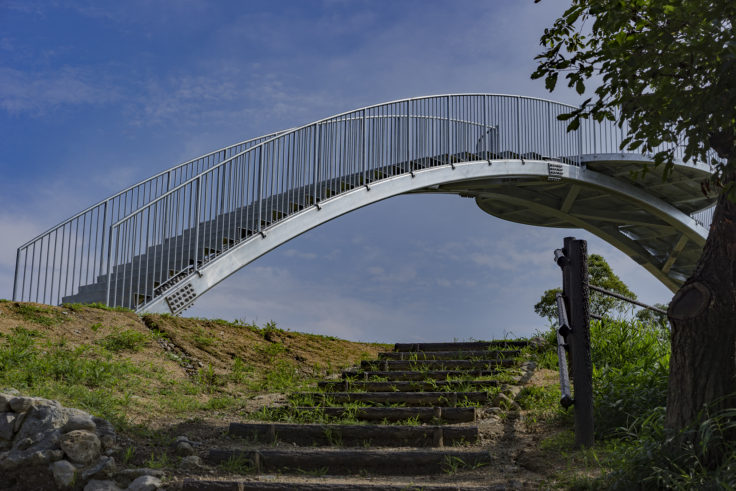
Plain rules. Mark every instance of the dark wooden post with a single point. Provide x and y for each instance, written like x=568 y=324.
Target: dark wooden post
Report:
x=575 y=287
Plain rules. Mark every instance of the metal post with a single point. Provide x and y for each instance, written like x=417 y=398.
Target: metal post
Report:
x=580 y=145
x=109 y=260
x=485 y=127
x=260 y=189
x=575 y=288
x=408 y=135
x=15 y=276
x=363 y=149
x=518 y=127
x=448 y=132
x=549 y=129
x=197 y=219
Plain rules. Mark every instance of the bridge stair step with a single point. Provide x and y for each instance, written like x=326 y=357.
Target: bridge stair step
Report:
x=411 y=375
x=406 y=386
x=448 y=355
x=451 y=399
x=342 y=435
x=433 y=415
x=419 y=365
x=351 y=461
x=461 y=346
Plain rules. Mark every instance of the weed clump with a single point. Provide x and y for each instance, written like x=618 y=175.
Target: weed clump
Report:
x=127 y=340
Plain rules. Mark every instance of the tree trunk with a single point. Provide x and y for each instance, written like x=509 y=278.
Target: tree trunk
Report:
x=703 y=319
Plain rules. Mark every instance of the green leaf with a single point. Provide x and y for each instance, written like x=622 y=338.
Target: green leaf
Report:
x=580 y=86
x=550 y=82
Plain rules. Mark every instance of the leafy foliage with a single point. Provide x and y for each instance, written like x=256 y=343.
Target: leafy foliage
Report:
x=630 y=369
x=665 y=67
x=601 y=275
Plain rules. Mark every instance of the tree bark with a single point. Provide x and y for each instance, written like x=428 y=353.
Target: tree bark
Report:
x=703 y=318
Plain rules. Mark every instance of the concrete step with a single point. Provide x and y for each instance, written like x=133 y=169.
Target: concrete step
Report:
x=434 y=415
x=355 y=435
x=351 y=461
x=406 y=386
x=465 y=346
x=398 y=375
x=451 y=399
x=403 y=365
x=448 y=355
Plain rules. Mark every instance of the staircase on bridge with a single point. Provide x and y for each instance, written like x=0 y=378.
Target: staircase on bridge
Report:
x=164 y=265
x=410 y=419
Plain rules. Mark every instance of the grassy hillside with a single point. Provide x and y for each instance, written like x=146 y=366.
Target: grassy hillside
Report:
x=156 y=370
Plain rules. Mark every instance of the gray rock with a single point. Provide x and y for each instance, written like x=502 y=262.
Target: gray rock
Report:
x=106 y=433
x=19 y=419
x=64 y=473
x=190 y=462
x=104 y=467
x=505 y=402
x=21 y=404
x=42 y=418
x=183 y=449
x=79 y=422
x=145 y=483
x=96 y=485
x=23 y=443
x=32 y=450
x=12 y=460
x=5 y=401
x=126 y=476
x=7 y=426
x=140 y=471
x=81 y=446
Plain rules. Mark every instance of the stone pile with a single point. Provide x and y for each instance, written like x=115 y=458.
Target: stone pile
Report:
x=44 y=445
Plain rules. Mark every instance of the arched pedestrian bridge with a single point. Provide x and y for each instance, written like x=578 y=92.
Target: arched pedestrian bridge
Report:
x=156 y=246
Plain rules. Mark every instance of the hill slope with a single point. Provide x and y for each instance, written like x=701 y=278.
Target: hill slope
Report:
x=158 y=370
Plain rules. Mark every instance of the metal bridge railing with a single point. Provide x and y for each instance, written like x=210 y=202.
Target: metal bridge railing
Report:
x=128 y=249
x=73 y=253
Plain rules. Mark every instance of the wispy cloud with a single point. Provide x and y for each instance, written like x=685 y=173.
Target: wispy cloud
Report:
x=39 y=93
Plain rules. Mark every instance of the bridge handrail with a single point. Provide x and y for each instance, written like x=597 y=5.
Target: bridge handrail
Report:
x=100 y=209
x=146 y=181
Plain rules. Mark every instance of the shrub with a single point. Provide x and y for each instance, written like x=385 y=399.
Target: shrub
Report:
x=630 y=369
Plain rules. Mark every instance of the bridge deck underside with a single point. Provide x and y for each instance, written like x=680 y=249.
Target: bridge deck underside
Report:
x=647 y=238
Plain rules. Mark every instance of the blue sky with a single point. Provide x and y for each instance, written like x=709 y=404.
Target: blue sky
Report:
x=96 y=95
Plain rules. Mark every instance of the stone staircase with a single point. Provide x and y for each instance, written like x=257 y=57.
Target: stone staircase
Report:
x=412 y=419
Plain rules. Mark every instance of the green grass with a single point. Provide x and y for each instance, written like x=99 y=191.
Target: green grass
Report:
x=76 y=307
x=202 y=339
x=81 y=375
x=38 y=315
x=127 y=340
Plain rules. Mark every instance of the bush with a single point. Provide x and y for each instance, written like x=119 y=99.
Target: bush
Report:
x=703 y=456
x=630 y=369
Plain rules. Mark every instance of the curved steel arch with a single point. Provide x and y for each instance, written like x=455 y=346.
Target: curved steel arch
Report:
x=159 y=245
x=441 y=179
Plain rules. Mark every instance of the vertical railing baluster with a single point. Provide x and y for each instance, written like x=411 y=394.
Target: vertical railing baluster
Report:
x=197 y=215
x=448 y=133
x=15 y=275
